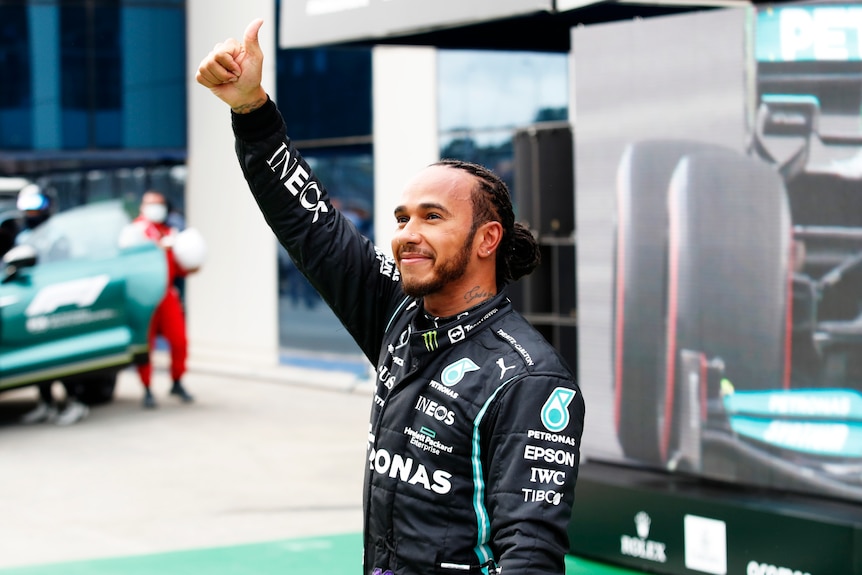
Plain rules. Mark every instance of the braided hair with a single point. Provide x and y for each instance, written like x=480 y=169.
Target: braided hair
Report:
x=518 y=253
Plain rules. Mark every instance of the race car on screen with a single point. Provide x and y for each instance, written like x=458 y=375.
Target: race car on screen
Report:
x=738 y=282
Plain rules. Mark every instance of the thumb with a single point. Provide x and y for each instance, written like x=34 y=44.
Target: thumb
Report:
x=250 y=41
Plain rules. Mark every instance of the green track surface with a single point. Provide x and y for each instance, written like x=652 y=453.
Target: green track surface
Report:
x=330 y=555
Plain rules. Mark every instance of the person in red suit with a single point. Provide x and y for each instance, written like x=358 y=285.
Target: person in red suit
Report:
x=169 y=318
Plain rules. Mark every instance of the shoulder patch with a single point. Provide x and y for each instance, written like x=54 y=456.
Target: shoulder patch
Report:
x=516 y=346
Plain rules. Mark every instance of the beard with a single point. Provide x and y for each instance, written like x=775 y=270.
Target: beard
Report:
x=442 y=274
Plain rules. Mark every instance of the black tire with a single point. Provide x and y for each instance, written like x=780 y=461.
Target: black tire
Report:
x=98 y=388
x=640 y=282
x=729 y=282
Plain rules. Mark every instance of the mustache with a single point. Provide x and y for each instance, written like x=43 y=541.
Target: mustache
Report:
x=407 y=250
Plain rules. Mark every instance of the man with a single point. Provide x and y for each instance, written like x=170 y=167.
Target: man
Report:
x=36 y=206
x=168 y=319
x=476 y=422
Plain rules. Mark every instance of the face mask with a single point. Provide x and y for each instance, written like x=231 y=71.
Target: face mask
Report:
x=155 y=212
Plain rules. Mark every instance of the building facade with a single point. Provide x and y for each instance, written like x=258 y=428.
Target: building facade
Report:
x=96 y=107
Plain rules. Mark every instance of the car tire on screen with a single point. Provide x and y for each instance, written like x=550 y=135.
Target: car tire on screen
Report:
x=729 y=276
x=640 y=280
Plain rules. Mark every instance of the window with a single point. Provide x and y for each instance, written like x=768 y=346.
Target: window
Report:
x=15 y=113
x=325 y=92
x=90 y=72
x=324 y=95
x=486 y=95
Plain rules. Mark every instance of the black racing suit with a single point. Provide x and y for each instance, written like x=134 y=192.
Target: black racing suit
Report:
x=476 y=422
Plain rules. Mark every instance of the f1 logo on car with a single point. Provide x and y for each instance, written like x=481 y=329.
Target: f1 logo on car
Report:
x=81 y=293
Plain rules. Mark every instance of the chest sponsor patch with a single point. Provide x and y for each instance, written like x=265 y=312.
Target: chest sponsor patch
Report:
x=455 y=372
x=405 y=469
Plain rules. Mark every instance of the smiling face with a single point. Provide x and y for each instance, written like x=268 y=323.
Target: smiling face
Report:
x=434 y=244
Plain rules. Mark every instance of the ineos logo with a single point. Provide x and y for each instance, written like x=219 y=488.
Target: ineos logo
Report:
x=296 y=180
x=435 y=410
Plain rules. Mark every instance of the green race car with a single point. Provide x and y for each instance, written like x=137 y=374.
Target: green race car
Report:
x=76 y=301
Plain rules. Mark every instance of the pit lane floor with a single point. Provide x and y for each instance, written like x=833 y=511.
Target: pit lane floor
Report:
x=255 y=477
x=332 y=555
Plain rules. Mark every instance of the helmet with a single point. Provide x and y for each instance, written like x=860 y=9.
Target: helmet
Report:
x=31 y=198
x=190 y=249
x=36 y=204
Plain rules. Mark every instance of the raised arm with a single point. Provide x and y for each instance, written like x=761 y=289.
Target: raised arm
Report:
x=358 y=282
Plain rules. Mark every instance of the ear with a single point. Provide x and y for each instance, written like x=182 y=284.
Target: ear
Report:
x=488 y=238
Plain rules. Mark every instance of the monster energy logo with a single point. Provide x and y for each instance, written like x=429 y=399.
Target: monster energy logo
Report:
x=430 y=339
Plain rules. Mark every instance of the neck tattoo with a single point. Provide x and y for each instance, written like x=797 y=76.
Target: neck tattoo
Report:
x=477 y=295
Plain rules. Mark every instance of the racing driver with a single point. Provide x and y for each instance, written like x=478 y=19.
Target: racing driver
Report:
x=476 y=421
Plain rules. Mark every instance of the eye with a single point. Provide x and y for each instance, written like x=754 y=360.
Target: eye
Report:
x=433 y=216
x=401 y=220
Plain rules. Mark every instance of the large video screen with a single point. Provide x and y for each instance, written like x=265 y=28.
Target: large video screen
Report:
x=719 y=236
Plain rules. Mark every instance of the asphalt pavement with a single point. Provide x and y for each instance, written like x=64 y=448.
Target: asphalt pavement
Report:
x=253 y=459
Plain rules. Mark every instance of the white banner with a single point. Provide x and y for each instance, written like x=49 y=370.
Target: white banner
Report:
x=563 y=5
x=317 y=22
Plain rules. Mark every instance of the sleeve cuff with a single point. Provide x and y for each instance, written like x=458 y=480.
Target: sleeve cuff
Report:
x=257 y=125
